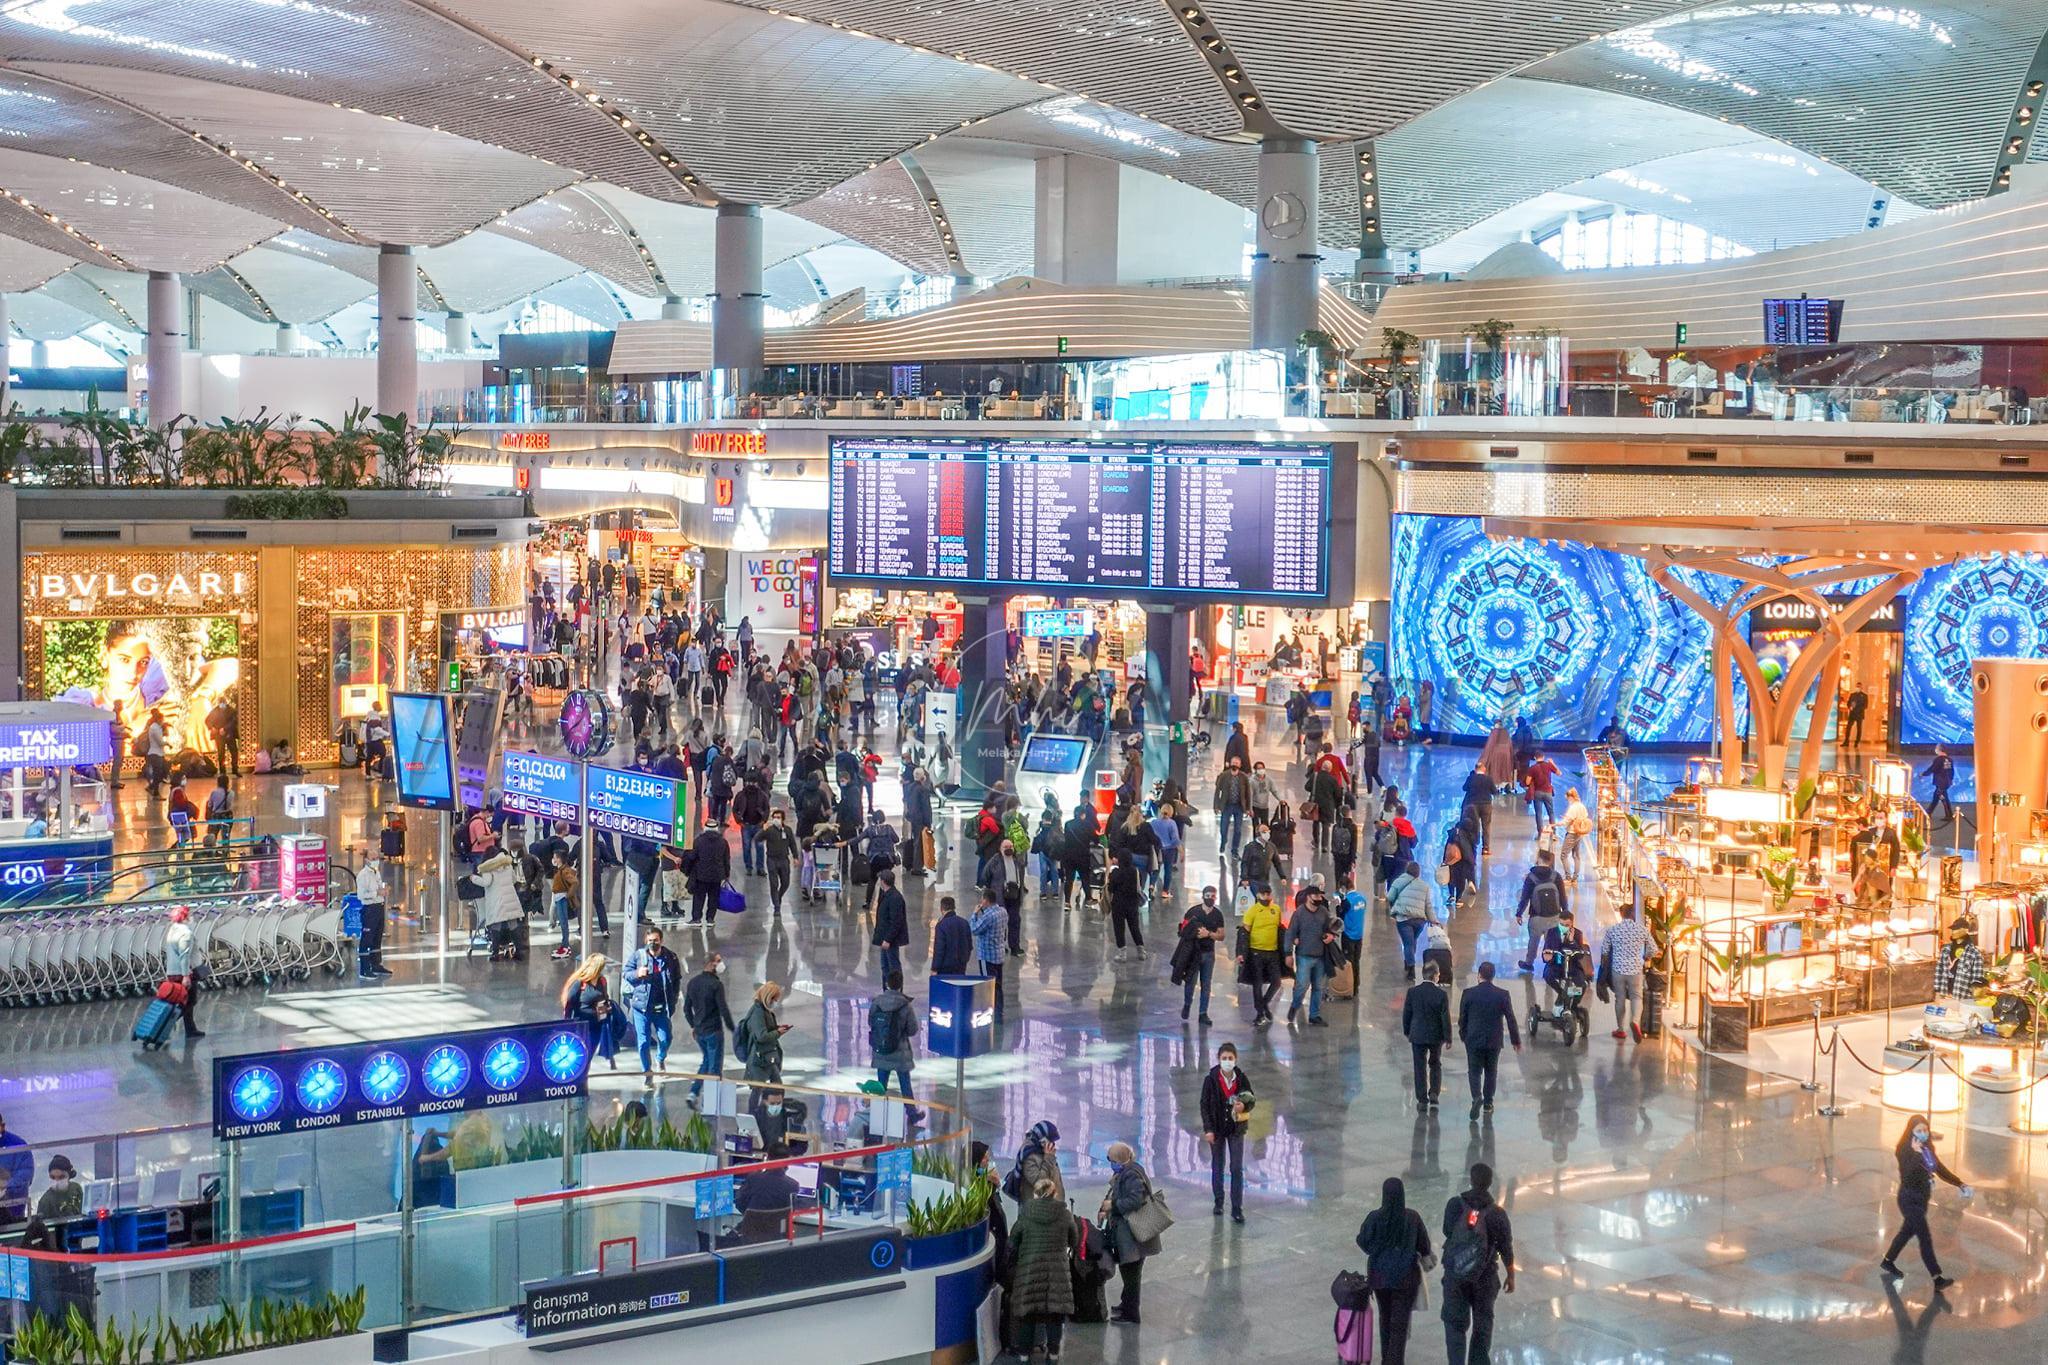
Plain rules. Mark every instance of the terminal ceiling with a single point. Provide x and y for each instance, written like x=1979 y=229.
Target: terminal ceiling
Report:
x=265 y=148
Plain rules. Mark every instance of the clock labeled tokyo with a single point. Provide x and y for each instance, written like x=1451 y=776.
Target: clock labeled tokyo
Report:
x=258 y=1095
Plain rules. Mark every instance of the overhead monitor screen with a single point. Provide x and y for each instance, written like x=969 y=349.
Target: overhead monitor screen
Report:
x=1131 y=518
x=1802 y=322
x=1054 y=754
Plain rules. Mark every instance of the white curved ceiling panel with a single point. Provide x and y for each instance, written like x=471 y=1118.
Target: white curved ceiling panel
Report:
x=1915 y=100
x=387 y=57
x=582 y=228
x=484 y=271
x=587 y=296
x=766 y=110
x=1514 y=140
x=1357 y=68
x=40 y=317
x=297 y=287
x=988 y=196
x=148 y=224
x=1759 y=193
x=116 y=297
x=1130 y=54
x=882 y=208
x=24 y=265
x=680 y=236
x=387 y=181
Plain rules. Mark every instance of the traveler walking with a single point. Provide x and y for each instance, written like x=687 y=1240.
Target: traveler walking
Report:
x=892 y=1030
x=653 y=977
x=710 y=869
x=1259 y=957
x=1309 y=935
x=758 y=1039
x=892 y=926
x=1194 y=957
x=1227 y=1099
x=1541 y=777
x=1129 y=1191
x=1396 y=1247
x=1919 y=1167
x=1543 y=900
x=1233 y=799
x=587 y=998
x=1126 y=896
x=184 y=963
x=709 y=1018
x=1485 y=1012
x=1625 y=950
x=1578 y=827
x=1426 y=1023
x=1408 y=903
x=777 y=849
x=1477 y=1234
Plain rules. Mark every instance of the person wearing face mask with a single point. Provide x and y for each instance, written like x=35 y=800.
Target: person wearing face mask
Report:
x=1396 y=1247
x=1918 y=1169
x=1226 y=1103
x=1233 y=798
x=710 y=1018
x=777 y=846
x=66 y=1197
x=1264 y=796
x=1130 y=1189
x=1194 y=958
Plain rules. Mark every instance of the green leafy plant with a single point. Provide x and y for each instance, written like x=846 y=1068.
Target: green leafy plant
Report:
x=1321 y=346
x=1398 y=344
x=410 y=456
x=339 y=455
x=962 y=1208
x=1491 y=333
x=287 y=504
x=1802 y=795
x=73 y=1340
x=1780 y=872
x=1732 y=964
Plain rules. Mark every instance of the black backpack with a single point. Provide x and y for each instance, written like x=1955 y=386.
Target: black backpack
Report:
x=1546 y=901
x=1389 y=842
x=1351 y=1291
x=885 y=1029
x=1343 y=839
x=1468 y=1251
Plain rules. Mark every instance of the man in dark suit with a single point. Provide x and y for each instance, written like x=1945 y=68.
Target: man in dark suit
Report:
x=1426 y=1020
x=1485 y=1011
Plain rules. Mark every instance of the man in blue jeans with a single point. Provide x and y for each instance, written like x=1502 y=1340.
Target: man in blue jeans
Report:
x=1233 y=798
x=653 y=978
x=709 y=1018
x=1308 y=933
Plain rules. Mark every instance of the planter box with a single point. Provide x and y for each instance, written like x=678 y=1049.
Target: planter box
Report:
x=357 y=1349
x=928 y=1253
x=1725 y=1025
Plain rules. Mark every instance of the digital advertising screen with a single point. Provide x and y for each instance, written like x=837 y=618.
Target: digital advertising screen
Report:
x=1247 y=521
x=1995 y=606
x=1569 y=637
x=267 y=1093
x=1057 y=623
x=426 y=753
x=179 y=667
x=1053 y=754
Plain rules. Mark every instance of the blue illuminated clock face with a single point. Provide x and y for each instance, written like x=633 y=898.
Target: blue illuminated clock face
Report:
x=322 y=1086
x=505 y=1064
x=255 y=1094
x=384 y=1078
x=563 y=1057
x=445 y=1071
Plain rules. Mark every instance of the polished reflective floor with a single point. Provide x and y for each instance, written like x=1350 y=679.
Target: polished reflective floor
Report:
x=1665 y=1208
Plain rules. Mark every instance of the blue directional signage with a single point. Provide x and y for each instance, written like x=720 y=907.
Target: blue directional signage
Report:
x=960 y=1016
x=535 y=784
x=269 y=1093
x=626 y=802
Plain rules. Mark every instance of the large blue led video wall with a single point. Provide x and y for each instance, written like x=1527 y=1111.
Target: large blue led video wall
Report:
x=1994 y=607
x=1569 y=637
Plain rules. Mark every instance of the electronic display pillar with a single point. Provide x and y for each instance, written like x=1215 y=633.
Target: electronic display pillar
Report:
x=984 y=706
x=1169 y=678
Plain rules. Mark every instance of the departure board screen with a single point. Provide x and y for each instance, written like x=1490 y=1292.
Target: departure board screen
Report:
x=1802 y=321
x=1129 y=518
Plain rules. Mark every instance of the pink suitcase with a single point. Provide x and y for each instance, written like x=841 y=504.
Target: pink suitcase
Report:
x=1355 y=1335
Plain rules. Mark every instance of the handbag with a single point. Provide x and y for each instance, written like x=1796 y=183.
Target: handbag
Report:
x=469 y=889
x=1150 y=1218
x=731 y=899
x=1443 y=874
x=1603 y=980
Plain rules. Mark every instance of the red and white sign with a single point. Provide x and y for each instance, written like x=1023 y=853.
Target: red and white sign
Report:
x=302 y=867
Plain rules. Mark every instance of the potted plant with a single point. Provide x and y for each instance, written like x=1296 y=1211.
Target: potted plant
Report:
x=949 y=1228
x=1666 y=919
x=1491 y=335
x=1398 y=344
x=1725 y=1013
x=1323 y=351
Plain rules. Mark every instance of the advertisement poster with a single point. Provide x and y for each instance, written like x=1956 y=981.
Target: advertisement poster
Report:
x=177 y=666
x=426 y=757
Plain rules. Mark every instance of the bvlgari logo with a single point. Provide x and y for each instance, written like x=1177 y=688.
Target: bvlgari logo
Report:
x=152 y=586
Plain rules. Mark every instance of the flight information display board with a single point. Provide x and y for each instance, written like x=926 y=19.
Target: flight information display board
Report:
x=1802 y=322
x=1129 y=518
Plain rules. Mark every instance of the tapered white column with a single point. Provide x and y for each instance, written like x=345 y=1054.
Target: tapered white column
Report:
x=165 y=349
x=737 y=300
x=457 y=333
x=398 y=345
x=1287 y=256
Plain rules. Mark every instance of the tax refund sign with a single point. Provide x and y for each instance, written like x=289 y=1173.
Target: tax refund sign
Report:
x=264 y=1094
x=960 y=1018
x=640 y=805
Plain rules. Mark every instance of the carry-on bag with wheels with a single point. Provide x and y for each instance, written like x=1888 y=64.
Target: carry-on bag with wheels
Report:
x=153 y=1029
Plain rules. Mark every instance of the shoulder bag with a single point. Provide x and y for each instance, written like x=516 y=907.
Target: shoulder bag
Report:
x=1152 y=1217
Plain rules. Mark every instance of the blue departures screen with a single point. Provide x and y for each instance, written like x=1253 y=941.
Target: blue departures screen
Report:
x=1569 y=637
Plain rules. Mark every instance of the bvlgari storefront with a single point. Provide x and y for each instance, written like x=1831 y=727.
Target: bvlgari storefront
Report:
x=297 y=635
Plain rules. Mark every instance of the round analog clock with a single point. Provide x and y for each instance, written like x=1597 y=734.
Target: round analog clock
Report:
x=586 y=723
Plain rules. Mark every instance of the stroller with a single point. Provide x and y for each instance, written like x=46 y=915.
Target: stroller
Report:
x=1565 y=967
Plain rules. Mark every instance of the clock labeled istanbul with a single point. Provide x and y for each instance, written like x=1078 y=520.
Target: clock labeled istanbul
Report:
x=290 y=1092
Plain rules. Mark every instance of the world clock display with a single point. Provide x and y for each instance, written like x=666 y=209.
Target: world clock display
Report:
x=376 y=1081
x=322 y=1086
x=445 y=1071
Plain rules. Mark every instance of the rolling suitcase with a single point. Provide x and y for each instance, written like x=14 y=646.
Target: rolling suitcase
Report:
x=153 y=1029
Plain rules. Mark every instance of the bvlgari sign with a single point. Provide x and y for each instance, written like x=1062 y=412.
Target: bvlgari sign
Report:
x=144 y=584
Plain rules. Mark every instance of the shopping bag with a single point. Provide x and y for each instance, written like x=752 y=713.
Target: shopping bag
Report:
x=929 y=847
x=731 y=899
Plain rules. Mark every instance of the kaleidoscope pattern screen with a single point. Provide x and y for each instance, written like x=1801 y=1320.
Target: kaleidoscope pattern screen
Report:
x=257 y=1095
x=1995 y=607
x=1569 y=637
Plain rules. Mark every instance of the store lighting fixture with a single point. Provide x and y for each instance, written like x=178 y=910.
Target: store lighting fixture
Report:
x=1889 y=777
x=1750 y=805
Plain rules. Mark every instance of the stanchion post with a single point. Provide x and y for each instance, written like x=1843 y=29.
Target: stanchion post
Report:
x=1812 y=1082
x=1832 y=1110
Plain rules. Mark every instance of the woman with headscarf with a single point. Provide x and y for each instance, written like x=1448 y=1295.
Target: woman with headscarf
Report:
x=1396 y=1247
x=1038 y=1159
x=1918 y=1169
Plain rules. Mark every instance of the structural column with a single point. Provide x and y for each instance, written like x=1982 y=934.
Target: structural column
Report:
x=737 y=297
x=1169 y=678
x=1074 y=219
x=165 y=350
x=288 y=341
x=398 y=345
x=6 y=338
x=672 y=309
x=984 y=694
x=1287 y=258
x=457 y=333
